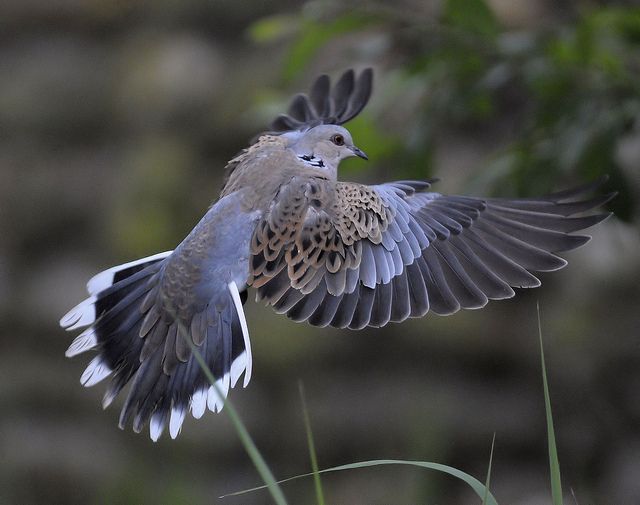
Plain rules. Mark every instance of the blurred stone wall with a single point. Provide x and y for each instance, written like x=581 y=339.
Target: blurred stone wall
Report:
x=116 y=120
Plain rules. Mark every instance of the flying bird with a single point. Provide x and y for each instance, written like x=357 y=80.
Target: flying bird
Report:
x=320 y=250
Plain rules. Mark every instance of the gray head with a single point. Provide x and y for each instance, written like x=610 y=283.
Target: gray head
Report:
x=323 y=146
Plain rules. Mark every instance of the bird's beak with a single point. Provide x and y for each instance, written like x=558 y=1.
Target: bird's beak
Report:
x=359 y=152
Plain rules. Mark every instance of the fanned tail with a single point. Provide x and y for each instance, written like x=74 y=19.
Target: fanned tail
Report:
x=138 y=341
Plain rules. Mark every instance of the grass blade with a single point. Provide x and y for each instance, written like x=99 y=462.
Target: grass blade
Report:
x=241 y=430
x=488 y=481
x=554 y=464
x=474 y=483
x=312 y=448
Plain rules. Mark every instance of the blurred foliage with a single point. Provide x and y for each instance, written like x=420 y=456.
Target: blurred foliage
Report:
x=571 y=89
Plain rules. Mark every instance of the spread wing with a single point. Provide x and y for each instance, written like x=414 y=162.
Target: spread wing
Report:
x=350 y=255
x=326 y=104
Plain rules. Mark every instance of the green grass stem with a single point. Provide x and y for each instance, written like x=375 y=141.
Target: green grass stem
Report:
x=312 y=448
x=261 y=465
x=488 y=481
x=554 y=464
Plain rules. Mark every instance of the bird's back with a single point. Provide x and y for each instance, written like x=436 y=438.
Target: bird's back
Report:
x=261 y=170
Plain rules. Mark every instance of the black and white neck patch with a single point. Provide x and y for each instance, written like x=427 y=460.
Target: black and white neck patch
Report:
x=312 y=161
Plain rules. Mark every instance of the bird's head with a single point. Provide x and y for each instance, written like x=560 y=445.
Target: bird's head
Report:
x=325 y=146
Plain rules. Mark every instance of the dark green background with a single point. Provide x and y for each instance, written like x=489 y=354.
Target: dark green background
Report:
x=116 y=120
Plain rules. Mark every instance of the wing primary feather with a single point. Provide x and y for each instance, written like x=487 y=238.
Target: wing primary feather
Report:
x=319 y=96
x=326 y=311
x=401 y=306
x=441 y=299
x=464 y=219
x=547 y=221
x=552 y=207
x=300 y=109
x=273 y=290
x=381 y=310
x=526 y=255
x=502 y=266
x=442 y=218
x=429 y=233
x=441 y=231
x=288 y=300
x=547 y=240
x=488 y=281
x=346 y=309
x=302 y=310
x=451 y=204
x=464 y=289
x=360 y=96
x=342 y=91
x=368 y=271
x=418 y=297
x=285 y=123
x=362 y=313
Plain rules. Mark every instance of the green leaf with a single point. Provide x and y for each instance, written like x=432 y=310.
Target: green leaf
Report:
x=273 y=28
x=471 y=16
x=474 y=483
x=554 y=464
x=315 y=34
x=379 y=146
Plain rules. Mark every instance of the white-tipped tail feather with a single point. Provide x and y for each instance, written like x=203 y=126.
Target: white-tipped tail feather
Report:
x=81 y=315
x=156 y=427
x=104 y=279
x=84 y=342
x=95 y=372
x=237 y=367
x=218 y=394
x=199 y=403
x=175 y=423
x=108 y=398
x=235 y=295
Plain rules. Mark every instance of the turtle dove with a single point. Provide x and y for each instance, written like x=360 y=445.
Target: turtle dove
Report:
x=314 y=248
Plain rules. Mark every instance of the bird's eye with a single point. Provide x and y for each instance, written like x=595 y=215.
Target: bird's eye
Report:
x=338 y=140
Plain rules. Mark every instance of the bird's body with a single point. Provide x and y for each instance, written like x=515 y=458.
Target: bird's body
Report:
x=316 y=249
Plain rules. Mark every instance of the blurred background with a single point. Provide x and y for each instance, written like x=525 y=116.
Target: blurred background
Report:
x=116 y=120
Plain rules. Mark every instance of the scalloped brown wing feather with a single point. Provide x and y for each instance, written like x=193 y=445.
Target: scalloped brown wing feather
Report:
x=314 y=230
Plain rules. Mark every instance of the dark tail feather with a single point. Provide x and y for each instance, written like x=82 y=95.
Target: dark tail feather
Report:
x=166 y=379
